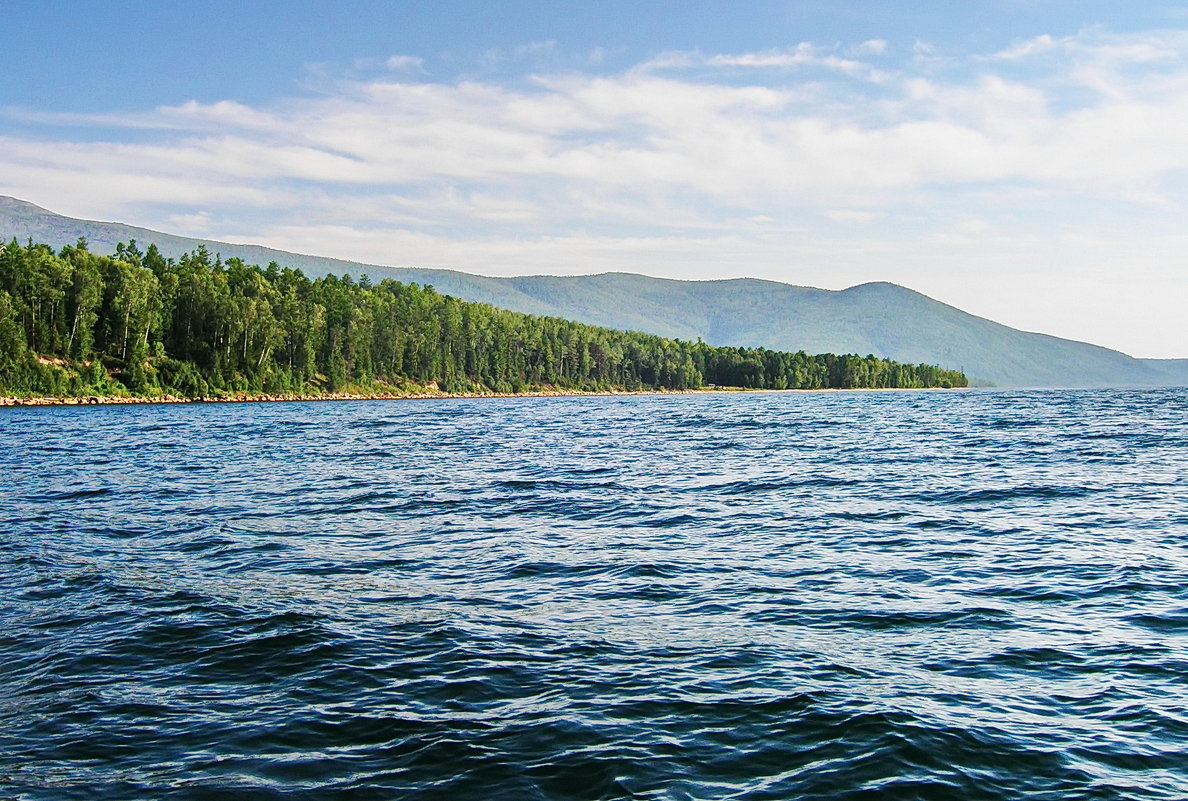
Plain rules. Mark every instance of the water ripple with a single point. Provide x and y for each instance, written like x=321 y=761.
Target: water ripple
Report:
x=977 y=595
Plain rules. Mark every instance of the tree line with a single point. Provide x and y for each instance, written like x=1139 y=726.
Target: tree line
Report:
x=78 y=323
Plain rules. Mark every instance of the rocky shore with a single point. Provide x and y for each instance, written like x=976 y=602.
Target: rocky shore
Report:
x=95 y=400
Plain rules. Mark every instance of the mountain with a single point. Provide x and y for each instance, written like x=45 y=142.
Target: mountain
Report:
x=880 y=318
x=1175 y=370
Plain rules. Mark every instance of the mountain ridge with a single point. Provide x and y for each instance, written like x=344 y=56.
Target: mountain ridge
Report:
x=879 y=317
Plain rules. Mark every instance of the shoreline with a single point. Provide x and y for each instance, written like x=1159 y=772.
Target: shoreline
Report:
x=128 y=400
x=428 y=394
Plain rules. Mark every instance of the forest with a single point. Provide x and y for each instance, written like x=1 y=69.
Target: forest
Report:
x=133 y=323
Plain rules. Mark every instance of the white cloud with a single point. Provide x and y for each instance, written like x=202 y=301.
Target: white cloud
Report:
x=1101 y=47
x=1027 y=48
x=223 y=115
x=974 y=227
x=850 y=215
x=805 y=55
x=682 y=163
x=400 y=62
x=638 y=132
x=196 y=224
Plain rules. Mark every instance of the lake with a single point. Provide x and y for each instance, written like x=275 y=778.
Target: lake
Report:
x=850 y=595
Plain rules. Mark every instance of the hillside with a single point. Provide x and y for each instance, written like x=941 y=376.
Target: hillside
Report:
x=880 y=318
x=1176 y=370
x=75 y=324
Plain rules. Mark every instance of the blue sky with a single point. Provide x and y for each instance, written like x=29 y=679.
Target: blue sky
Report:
x=1025 y=161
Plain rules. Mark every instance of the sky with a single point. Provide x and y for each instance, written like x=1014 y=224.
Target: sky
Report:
x=1026 y=161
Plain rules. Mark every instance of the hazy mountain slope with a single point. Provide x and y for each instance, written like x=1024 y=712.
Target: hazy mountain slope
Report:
x=1176 y=370
x=880 y=318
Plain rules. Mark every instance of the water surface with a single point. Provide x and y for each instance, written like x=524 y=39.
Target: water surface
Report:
x=977 y=595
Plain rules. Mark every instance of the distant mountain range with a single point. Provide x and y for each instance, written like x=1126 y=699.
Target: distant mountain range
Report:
x=880 y=318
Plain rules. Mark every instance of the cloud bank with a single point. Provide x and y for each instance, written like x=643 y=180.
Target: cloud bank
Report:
x=1054 y=161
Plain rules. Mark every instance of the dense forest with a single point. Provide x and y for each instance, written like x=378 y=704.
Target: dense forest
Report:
x=75 y=323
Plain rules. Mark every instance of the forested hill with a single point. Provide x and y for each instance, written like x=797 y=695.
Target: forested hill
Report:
x=884 y=319
x=77 y=323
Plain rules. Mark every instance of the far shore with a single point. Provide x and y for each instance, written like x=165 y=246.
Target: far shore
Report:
x=428 y=394
x=127 y=400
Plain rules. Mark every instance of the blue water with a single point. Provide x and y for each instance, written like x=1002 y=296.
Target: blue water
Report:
x=963 y=595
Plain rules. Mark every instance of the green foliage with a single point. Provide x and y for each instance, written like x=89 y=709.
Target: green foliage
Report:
x=77 y=323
